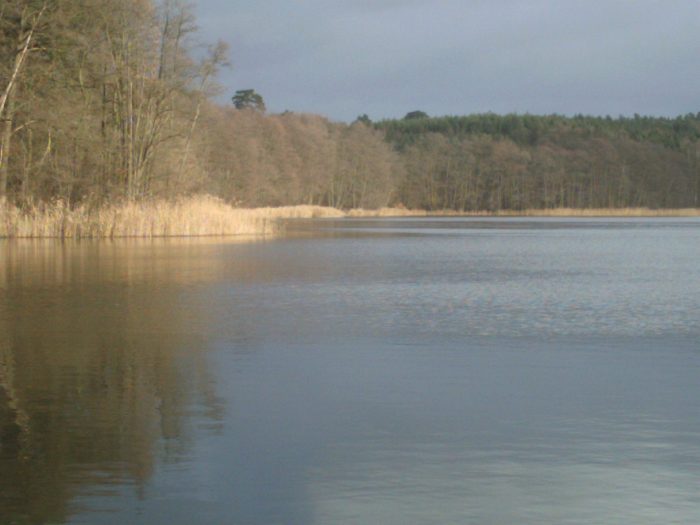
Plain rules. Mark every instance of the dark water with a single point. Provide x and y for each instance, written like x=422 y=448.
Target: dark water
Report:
x=357 y=372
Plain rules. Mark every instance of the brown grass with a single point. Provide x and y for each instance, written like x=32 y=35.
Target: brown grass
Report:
x=202 y=215
x=386 y=212
x=551 y=212
x=606 y=212
x=299 y=212
x=205 y=215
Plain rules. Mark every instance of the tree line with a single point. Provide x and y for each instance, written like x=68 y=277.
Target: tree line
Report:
x=493 y=162
x=102 y=98
x=115 y=99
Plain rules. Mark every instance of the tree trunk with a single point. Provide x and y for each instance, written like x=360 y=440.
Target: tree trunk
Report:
x=6 y=141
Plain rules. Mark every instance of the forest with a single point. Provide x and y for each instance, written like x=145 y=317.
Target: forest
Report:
x=516 y=162
x=118 y=100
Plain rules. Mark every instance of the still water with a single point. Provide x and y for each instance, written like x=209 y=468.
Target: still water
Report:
x=414 y=371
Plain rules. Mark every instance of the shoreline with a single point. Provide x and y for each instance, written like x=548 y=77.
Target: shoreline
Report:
x=203 y=215
x=546 y=212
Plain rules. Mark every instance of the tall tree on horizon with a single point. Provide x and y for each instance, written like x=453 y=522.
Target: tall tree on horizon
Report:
x=248 y=99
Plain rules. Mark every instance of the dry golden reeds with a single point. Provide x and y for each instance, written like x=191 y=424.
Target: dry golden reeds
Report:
x=201 y=215
x=386 y=212
x=304 y=211
x=549 y=212
x=205 y=215
x=604 y=212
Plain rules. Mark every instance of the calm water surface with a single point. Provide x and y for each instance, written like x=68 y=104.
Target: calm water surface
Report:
x=415 y=371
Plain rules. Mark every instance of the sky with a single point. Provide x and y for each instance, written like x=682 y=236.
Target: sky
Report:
x=384 y=58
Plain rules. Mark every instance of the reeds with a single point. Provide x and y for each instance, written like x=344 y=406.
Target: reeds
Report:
x=205 y=215
x=386 y=212
x=605 y=212
x=548 y=212
x=304 y=211
x=200 y=215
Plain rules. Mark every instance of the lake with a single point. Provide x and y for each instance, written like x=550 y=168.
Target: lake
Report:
x=394 y=371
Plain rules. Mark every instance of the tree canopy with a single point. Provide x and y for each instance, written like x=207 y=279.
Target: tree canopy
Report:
x=248 y=99
x=415 y=115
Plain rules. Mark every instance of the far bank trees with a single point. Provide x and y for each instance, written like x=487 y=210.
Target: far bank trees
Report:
x=514 y=162
x=104 y=100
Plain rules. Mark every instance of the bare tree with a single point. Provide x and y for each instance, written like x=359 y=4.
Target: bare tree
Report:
x=27 y=18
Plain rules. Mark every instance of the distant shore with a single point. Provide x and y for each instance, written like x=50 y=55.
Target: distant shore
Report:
x=549 y=212
x=208 y=216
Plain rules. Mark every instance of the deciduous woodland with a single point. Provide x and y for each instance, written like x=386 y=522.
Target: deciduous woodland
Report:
x=107 y=101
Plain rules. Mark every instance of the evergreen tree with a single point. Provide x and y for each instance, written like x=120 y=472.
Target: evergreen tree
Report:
x=248 y=99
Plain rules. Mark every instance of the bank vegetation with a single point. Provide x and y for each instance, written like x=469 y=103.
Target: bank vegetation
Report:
x=111 y=124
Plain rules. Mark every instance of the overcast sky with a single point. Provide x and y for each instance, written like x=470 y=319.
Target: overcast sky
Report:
x=342 y=58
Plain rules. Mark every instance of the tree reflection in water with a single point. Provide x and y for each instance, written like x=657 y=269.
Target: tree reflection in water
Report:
x=103 y=386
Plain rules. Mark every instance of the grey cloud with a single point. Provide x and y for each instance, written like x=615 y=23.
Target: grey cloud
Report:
x=387 y=57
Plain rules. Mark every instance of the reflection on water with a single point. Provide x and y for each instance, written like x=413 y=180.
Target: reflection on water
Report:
x=405 y=371
x=36 y=263
x=98 y=371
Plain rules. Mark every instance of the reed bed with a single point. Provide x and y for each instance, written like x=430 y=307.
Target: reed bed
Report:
x=386 y=212
x=303 y=211
x=549 y=212
x=604 y=212
x=193 y=216
x=205 y=215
